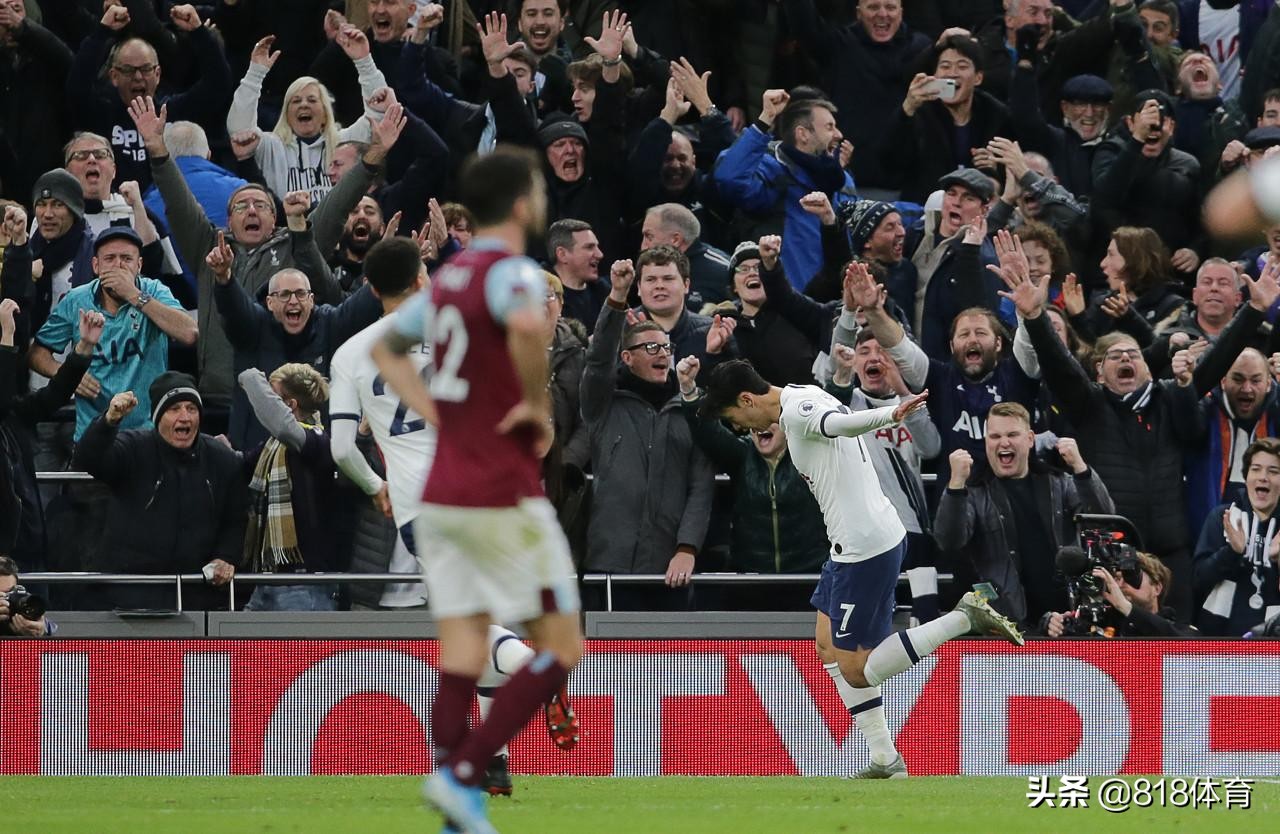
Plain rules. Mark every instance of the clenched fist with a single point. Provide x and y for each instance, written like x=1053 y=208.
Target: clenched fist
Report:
x=961 y=465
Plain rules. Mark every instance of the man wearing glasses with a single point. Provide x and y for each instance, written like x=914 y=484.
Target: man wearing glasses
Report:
x=291 y=328
x=652 y=491
x=133 y=69
x=1136 y=430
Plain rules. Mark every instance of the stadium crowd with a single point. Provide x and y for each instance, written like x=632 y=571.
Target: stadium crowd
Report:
x=1000 y=203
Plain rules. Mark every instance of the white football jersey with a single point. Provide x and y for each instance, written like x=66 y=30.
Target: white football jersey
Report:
x=407 y=441
x=861 y=522
x=1266 y=189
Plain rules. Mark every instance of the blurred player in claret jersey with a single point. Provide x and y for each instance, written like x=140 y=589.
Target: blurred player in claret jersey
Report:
x=407 y=442
x=492 y=548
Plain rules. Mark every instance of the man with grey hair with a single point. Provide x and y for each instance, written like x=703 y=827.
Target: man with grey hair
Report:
x=1214 y=300
x=675 y=225
x=210 y=183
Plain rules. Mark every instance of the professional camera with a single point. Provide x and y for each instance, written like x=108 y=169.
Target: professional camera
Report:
x=1104 y=543
x=24 y=604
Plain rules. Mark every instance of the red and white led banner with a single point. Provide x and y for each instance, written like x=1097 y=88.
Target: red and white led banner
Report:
x=209 y=707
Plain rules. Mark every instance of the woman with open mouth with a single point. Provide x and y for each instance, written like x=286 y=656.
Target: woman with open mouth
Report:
x=296 y=154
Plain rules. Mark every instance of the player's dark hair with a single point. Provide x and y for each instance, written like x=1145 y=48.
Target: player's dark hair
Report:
x=392 y=265
x=662 y=255
x=491 y=184
x=725 y=383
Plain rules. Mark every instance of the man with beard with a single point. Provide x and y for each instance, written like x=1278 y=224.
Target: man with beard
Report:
x=767 y=179
x=141 y=316
x=363 y=229
x=1135 y=430
x=134 y=72
x=651 y=501
x=1137 y=162
x=1086 y=100
x=964 y=387
x=1245 y=407
x=291 y=328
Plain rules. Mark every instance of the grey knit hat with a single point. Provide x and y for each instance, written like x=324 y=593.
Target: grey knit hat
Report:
x=61 y=185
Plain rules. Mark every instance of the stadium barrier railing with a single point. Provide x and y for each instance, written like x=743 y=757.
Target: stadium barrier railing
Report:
x=606 y=579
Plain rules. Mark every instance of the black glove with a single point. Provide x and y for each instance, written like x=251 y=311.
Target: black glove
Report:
x=1130 y=35
x=1028 y=42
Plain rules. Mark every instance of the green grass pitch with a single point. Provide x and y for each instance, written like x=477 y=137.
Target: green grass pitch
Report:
x=569 y=805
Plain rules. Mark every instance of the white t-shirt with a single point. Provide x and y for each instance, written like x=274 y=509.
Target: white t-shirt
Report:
x=408 y=442
x=860 y=520
x=1220 y=38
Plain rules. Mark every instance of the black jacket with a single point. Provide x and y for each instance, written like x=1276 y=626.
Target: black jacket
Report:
x=31 y=137
x=923 y=146
x=261 y=342
x=777 y=524
x=22 y=525
x=1163 y=193
x=977 y=521
x=170 y=511
x=867 y=82
x=1140 y=458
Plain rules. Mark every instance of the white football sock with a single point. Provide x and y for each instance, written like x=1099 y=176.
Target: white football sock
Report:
x=506 y=655
x=867 y=709
x=902 y=650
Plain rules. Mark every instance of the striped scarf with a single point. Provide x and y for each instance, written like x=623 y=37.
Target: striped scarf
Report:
x=271 y=537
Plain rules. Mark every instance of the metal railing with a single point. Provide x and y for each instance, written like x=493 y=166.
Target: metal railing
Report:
x=606 y=579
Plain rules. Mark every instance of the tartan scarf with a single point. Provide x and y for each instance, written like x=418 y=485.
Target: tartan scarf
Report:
x=271 y=536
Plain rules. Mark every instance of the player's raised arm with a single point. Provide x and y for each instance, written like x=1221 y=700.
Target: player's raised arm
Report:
x=397 y=369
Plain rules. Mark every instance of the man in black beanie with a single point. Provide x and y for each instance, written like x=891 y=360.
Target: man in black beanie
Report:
x=586 y=174
x=177 y=502
x=61 y=242
x=876 y=234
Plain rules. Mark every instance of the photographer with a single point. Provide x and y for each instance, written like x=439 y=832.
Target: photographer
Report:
x=1135 y=596
x=13 y=600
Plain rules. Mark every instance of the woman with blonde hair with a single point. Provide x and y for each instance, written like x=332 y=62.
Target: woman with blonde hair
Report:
x=295 y=155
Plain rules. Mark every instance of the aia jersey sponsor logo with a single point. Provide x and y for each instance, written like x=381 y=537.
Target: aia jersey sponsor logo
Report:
x=895 y=436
